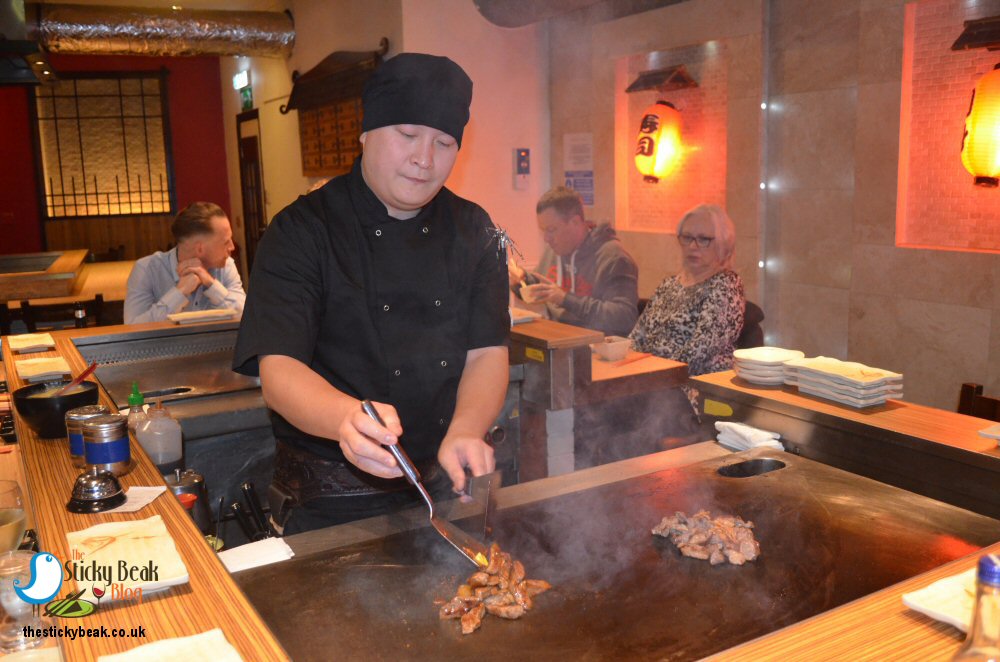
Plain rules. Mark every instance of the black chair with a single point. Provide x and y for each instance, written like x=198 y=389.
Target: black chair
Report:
x=54 y=316
x=972 y=402
x=6 y=319
x=752 y=334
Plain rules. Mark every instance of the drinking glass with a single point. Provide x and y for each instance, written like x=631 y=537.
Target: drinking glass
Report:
x=17 y=614
x=11 y=515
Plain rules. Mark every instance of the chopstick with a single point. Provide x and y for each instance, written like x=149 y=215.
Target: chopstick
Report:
x=79 y=380
x=631 y=359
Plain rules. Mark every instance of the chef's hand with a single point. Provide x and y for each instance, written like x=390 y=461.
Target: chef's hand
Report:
x=458 y=452
x=544 y=292
x=361 y=440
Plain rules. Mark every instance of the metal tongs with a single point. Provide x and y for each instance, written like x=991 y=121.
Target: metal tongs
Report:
x=471 y=548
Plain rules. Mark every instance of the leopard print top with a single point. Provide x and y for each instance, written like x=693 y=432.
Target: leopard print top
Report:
x=698 y=324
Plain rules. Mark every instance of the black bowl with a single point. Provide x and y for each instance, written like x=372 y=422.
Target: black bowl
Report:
x=47 y=416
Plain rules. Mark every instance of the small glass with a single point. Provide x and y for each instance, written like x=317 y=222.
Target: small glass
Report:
x=12 y=520
x=18 y=615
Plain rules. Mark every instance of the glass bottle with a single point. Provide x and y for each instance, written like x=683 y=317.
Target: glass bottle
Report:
x=79 y=315
x=983 y=641
x=136 y=408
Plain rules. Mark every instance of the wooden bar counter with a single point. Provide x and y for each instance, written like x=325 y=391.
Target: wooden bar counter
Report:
x=210 y=599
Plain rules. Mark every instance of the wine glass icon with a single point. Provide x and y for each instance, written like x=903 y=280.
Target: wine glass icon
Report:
x=99 y=592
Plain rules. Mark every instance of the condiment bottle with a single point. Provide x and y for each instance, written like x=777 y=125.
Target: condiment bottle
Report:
x=136 y=411
x=160 y=436
x=983 y=641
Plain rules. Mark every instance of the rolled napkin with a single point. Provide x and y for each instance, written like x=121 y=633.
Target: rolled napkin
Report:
x=740 y=437
x=950 y=600
x=262 y=552
x=211 y=645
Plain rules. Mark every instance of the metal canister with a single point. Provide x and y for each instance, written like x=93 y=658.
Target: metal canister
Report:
x=190 y=481
x=74 y=430
x=105 y=444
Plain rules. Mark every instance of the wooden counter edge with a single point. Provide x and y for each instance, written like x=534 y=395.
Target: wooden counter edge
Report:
x=210 y=598
x=877 y=626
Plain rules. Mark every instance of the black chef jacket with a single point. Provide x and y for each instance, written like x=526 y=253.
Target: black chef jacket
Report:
x=382 y=308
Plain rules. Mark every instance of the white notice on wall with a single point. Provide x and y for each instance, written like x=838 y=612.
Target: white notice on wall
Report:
x=578 y=164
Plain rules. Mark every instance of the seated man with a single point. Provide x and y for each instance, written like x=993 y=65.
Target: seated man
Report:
x=586 y=278
x=197 y=274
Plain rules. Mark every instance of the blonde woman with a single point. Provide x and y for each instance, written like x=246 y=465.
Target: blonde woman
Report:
x=696 y=316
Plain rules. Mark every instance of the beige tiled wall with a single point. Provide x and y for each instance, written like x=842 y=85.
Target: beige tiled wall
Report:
x=835 y=284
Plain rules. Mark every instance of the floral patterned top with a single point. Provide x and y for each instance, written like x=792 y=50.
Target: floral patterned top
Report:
x=698 y=324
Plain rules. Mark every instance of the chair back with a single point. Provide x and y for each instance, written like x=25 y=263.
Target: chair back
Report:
x=53 y=316
x=972 y=402
x=752 y=334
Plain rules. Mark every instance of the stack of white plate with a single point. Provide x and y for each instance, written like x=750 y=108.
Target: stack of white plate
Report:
x=763 y=365
x=846 y=382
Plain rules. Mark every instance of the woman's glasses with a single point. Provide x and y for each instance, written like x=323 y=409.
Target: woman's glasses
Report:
x=688 y=239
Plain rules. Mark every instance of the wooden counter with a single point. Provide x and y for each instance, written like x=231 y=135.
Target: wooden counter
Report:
x=876 y=627
x=905 y=418
x=56 y=280
x=210 y=599
x=109 y=279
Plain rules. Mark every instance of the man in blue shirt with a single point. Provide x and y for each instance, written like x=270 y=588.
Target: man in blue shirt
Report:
x=197 y=274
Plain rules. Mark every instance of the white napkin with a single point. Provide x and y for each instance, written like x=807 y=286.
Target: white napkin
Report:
x=137 y=543
x=740 y=437
x=262 y=552
x=138 y=498
x=209 y=646
x=950 y=600
x=31 y=342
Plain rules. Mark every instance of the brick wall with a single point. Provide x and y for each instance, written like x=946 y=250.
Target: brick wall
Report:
x=701 y=175
x=941 y=206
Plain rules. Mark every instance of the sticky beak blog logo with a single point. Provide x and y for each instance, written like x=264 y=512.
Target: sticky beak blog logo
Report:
x=48 y=575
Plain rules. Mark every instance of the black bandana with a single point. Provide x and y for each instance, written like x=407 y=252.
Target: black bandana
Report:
x=416 y=88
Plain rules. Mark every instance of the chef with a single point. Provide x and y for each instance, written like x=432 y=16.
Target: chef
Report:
x=382 y=285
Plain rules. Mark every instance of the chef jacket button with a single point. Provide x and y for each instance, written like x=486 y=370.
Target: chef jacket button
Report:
x=385 y=307
x=378 y=233
x=437 y=302
x=444 y=364
x=397 y=373
x=424 y=229
x=441 y=421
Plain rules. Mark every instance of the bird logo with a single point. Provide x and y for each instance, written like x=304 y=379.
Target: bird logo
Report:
x=46 y=580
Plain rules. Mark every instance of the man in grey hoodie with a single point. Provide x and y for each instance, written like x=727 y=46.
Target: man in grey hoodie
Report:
x=585 y=277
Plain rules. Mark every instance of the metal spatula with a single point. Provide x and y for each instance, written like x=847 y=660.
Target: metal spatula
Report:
x=471 y=548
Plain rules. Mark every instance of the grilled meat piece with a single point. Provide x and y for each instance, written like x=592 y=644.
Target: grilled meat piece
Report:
x=725 y=538
x=500 y=589
x=536 y=586
x=511 y=612
x=473 y=618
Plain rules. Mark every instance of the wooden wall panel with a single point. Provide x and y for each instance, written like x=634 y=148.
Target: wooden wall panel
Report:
x=141 y=235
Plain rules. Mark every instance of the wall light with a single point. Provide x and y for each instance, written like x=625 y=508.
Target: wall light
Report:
x=658 y=148
x=981 y=142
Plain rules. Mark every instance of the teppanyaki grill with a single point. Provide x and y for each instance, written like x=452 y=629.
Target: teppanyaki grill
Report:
x=827 y=537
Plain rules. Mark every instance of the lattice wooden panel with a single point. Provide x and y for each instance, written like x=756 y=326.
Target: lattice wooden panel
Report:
x=329 y=138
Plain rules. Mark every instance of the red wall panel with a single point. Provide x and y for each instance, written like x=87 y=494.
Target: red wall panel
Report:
x=196 y=128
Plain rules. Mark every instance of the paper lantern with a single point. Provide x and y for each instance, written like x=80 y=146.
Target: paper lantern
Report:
x=658 y=148
x=981 y=142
